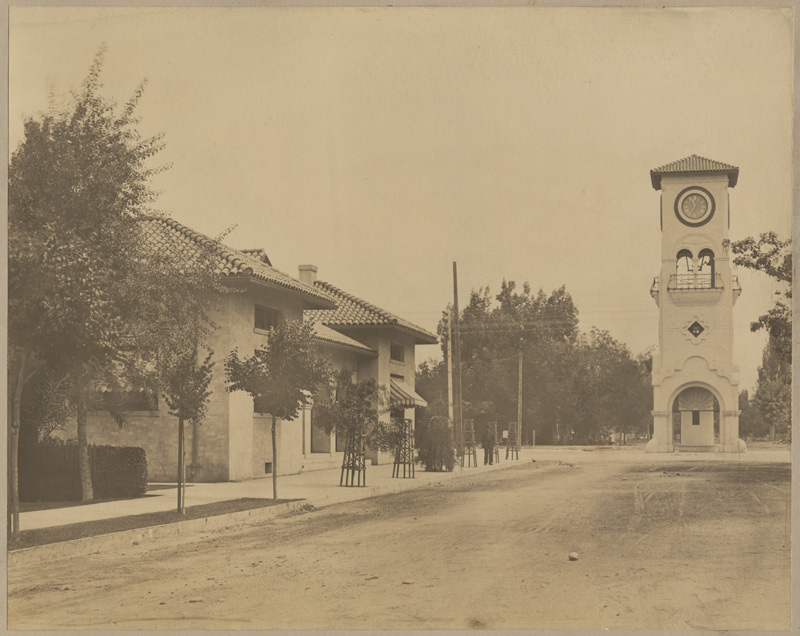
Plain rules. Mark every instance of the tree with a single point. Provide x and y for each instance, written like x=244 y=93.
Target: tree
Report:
x=431 y=384
x=617 y=385
x=282 y=376
x=78 y=182
x=750 y=423
x=170 y=303
x=772 y=400
x=772 y=256
x=186 y=393
x=353 y=411
x=771 y=403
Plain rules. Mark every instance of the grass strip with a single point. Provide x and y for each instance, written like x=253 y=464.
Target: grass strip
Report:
x=56 y=534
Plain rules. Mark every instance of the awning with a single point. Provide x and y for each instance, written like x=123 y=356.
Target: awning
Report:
x=404 y=396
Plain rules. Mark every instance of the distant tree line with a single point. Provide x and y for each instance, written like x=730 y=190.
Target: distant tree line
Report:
x=576 y=387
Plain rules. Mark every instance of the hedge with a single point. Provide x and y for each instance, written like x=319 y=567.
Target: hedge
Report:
x=49 y=472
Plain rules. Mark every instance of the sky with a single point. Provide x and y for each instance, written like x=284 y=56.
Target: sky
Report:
x=383 y=144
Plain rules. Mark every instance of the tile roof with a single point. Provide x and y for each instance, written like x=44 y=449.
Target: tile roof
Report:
x=166 y=233
x=354 y=312
x=327 y=335
x=258 y=252
x=694 y=164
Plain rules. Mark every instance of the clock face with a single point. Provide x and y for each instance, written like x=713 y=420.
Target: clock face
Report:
x=694 y=206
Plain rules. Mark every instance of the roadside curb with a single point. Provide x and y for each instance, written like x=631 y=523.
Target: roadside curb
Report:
x=130 y=538
x=127 y=538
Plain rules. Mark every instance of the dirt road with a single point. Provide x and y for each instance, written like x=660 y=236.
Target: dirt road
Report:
x=679 y=546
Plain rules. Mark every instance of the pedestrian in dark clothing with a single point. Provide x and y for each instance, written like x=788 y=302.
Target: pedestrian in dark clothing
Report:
x=488 y=441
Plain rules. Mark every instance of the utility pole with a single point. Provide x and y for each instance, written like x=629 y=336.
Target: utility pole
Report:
x=450 y=367
x=519 y=396
x=457 y=367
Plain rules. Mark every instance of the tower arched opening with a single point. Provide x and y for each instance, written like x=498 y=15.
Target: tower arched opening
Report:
x=684 y=269
x=695 y=418
x=706 y=269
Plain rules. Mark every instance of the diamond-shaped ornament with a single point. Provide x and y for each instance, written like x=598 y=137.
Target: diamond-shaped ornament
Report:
x=696 y=329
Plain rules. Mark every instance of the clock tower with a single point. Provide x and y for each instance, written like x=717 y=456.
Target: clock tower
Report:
x=695 y=379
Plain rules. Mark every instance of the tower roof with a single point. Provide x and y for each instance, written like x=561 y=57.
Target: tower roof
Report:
x=694 y=164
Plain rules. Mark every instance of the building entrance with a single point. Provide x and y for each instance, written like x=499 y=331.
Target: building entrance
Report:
x=695 y=419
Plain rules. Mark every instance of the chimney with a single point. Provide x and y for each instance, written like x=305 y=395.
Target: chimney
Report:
x=308 y=274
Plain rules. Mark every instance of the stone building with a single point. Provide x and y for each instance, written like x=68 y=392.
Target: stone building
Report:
x=233 y=441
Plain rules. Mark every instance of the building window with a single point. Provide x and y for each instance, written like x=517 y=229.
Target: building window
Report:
x=398 y=353
x=695 y=418
x=266 y=318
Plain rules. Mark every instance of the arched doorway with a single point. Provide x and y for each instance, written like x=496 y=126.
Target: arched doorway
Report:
x=695 y=418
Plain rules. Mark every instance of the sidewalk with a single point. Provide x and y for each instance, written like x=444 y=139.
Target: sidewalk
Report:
x=319 y=488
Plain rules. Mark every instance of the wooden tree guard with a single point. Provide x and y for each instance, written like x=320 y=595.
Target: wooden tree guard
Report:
x=512 y=444
x=354 y=466
x=404 y=454
x=496 y=451
x=469 y=444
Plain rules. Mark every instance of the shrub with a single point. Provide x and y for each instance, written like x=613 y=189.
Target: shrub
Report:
x=49 y=472
x=435 y=444
x=118 y=471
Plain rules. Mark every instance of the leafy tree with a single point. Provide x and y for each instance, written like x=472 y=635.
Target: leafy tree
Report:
x=772 y=400
x=772 y=256
x=78 y=182
x=186 y=393
x=771 y=403
x=282 y=376
x=170 y=304
x=351 y=407
x=353 y=411
x=431 y=384
x=494 y=330
x=619 y=386
x=750 y=423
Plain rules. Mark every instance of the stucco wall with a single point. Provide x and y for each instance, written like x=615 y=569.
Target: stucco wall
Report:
x=711 y=308
x=227 y=444
x=697 y=435
x=248 y=432
x=288 y=440
x=685 y=360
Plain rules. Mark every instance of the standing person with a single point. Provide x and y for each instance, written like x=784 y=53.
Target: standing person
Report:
x=487 y=441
